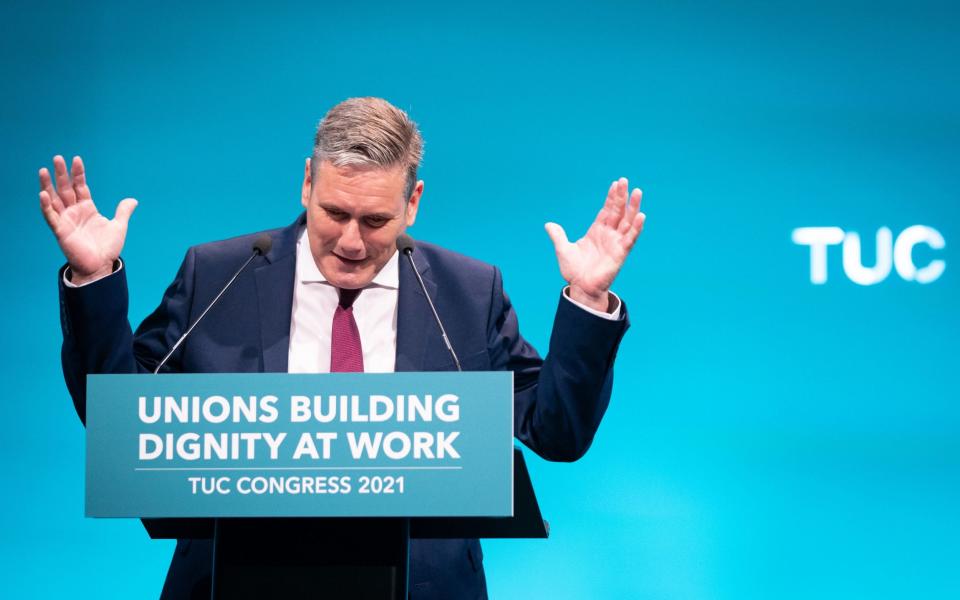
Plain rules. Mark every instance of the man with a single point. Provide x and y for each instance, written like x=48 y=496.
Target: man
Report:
x=332 y=295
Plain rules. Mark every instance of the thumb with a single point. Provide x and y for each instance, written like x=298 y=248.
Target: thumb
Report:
x=124 y=210
x=557 y=235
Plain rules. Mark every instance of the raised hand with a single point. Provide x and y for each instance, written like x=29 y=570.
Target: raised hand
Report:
x=591 y=263
x=90 y=241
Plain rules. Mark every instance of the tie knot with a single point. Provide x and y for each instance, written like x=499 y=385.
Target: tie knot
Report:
x=347 y=297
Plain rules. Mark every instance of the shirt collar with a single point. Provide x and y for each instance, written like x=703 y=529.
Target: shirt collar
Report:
x=307 y=271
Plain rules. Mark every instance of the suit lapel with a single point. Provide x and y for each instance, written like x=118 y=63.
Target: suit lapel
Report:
x=414 y=321
x=275 y=282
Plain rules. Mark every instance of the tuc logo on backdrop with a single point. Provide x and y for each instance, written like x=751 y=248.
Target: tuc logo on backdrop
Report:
x=891 y=254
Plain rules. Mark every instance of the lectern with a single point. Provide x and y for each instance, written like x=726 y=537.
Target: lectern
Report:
x=310 y=486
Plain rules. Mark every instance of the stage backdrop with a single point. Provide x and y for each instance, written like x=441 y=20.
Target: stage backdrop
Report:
x=784 y=421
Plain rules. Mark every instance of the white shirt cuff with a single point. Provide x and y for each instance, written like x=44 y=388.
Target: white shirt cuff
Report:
x=611 y=316
x=66 y=276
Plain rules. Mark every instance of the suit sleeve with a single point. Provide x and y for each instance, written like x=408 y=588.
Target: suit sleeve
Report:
x=97 y=337
x=558 y=401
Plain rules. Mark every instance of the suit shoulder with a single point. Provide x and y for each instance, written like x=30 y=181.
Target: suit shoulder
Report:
x=241 y=245
x=455 y=264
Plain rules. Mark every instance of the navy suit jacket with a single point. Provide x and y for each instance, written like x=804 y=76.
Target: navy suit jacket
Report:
x=558 y=402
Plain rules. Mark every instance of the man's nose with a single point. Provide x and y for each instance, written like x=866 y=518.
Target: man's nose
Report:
x=350 y=244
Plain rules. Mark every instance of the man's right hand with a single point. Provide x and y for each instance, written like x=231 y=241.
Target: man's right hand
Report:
x=91 y=242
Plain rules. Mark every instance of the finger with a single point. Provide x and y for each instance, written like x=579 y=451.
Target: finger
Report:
x=608 y=204
x=557 y=235
x=611 y=194
x=635 y=229
x=43 y=175
x=601 y=217
x=64 y=186
x=46 y=185
x=50 y=214
x=633 y=207
x=615 y=202
x=124 y=210
x=80 y=180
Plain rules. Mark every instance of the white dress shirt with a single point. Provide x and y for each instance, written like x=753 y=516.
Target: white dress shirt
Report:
x=315 y=300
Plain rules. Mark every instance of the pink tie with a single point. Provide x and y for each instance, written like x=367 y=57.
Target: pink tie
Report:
x=346 y=354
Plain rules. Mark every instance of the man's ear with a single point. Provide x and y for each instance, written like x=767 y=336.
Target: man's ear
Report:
x=413 y=204
x=307 y=185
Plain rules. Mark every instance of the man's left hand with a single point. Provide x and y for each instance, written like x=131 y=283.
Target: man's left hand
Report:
x=591 y=263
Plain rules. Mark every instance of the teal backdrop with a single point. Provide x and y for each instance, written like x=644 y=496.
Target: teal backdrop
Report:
x=767 y=437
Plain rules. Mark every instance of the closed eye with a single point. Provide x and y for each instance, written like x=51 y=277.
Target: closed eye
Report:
x=336 y=215
x=376 y=222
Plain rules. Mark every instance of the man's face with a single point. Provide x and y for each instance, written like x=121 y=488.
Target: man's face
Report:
x=354 y=217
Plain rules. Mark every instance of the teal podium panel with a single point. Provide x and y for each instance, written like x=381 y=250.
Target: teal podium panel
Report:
x=298 y=445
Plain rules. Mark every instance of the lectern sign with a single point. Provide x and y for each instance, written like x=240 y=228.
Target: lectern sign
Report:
x=293 y=445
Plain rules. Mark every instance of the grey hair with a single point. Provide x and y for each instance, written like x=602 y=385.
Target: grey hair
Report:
x=368 y=132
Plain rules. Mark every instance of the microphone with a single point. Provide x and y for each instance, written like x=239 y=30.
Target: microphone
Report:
x=406 y=245
x=261 y=246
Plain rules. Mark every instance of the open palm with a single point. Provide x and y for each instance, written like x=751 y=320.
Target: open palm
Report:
x=591 y=263
x=90 y=241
